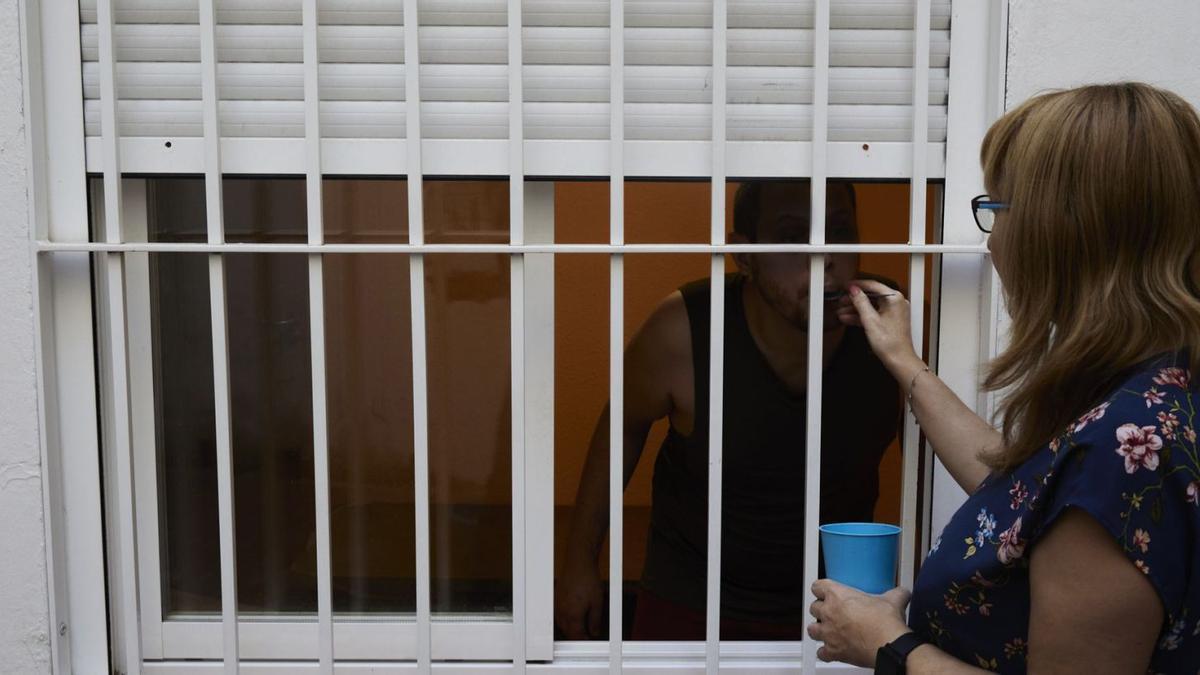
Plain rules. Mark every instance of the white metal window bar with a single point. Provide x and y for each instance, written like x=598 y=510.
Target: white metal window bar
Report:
x=916 y=280
x=716 y=349
x=119 y=459
x=321 y=152
x=616 y=336
x=517 y=340
x=416 y=263
x=816 y=328
x=215 y=214
x=316 y=299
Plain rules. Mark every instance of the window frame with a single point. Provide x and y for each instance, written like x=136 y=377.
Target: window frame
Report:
x=84 y=600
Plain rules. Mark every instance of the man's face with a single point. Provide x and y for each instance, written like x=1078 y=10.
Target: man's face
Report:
x=783 y=278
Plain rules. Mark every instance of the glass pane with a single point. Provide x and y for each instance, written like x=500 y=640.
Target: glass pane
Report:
x=369 y=373
x=581 y=285
x=581 y=213
x=883 y=212
x=581 y=388
x=469 y=376
x=270 y=390
x=271 y=400
x=368 y=360
x=365 y=210
x=666 y=513
x=369 y=393
x=765 y=376
x=656 y=212
x=187 y=451
x=667 y=212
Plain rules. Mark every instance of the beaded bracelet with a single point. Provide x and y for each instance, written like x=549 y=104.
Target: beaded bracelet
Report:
x=913 y=383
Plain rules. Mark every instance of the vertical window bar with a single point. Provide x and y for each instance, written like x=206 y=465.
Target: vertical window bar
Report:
x=616 y=333
x=816 y=318
x=316 y=318
x=516 y=266
x=109 y=130
x=220 y=334
x=716 y=354
x=118 y=434
x=416 y=266
x=925 y=451
x=916 y=279
x=141 y=412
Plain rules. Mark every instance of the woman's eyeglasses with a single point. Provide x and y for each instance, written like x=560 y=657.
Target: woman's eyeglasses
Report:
x=985 y=212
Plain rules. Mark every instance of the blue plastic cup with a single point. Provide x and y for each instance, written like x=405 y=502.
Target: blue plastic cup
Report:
x=862 y=555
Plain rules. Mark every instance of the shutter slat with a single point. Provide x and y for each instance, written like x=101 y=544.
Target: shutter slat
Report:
x=893 y=14
x=454 y=82
x=386 y=119
x=544 y=46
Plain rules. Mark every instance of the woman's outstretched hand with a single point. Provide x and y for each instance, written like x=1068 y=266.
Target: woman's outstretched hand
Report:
x=854 y=625
x=887 y=325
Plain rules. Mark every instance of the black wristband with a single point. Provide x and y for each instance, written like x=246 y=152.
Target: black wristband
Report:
x=891 y=658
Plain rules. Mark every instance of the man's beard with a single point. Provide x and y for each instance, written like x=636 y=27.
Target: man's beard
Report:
x=796 y=313
x=829 y=324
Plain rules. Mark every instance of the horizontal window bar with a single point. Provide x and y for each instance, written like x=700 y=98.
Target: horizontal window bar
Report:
x=176 y=247
x=489 y=157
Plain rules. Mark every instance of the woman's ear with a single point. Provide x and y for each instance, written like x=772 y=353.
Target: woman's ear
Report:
x=744 y=261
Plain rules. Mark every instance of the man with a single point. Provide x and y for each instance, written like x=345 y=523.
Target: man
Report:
x=766 y=371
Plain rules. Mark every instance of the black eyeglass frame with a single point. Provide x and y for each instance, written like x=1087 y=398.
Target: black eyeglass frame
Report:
x=985 y=203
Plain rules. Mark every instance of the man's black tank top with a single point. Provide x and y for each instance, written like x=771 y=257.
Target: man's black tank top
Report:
x=762 y=543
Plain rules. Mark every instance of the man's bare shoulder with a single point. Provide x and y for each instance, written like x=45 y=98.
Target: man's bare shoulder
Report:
x=658 y=363
x=666 y=335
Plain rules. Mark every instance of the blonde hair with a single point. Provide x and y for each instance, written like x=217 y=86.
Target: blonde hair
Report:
x=1099 y=249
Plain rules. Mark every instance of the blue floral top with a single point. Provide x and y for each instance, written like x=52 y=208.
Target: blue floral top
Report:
x=1131 y=463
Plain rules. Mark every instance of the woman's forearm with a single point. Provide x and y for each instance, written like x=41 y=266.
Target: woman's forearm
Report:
x=957 y=434
x=929 y=660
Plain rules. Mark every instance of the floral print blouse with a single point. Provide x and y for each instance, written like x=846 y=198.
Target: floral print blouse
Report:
x=1133 y=464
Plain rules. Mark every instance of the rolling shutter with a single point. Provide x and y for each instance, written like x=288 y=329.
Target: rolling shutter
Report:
x=464 y=86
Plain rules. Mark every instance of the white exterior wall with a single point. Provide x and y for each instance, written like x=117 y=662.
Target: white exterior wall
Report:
x=1063 y=43
x=24 y=614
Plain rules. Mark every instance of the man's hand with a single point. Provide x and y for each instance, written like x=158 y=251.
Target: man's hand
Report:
x=580 y=602
x=854 y=625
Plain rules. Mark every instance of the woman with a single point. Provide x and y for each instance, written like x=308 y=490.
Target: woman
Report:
x=1078 y=549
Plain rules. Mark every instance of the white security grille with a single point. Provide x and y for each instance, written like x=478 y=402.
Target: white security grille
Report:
x=747 y=88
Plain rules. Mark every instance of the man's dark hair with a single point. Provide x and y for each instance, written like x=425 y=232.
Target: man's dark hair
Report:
x=747 y=203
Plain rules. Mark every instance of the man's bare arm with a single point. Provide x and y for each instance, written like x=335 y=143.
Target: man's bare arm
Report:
x=657 y=364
